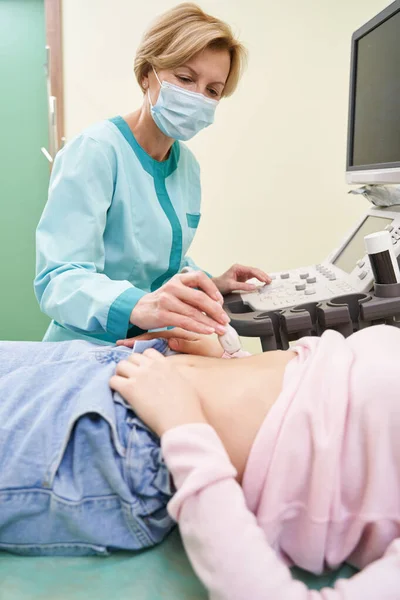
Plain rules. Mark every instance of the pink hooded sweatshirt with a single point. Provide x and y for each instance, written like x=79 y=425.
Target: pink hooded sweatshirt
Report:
x=321 y=485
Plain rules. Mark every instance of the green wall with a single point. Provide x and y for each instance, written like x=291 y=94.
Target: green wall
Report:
x=24 y=171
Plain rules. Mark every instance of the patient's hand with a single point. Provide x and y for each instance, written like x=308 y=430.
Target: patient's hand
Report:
x=159 y=395
x=182 y=341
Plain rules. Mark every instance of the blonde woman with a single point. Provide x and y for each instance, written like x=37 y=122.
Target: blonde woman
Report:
x=124 y=199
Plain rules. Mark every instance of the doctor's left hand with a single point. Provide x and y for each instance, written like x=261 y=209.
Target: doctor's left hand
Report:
x=235 y=279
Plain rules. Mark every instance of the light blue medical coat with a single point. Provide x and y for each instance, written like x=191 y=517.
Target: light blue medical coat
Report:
x=116 y=226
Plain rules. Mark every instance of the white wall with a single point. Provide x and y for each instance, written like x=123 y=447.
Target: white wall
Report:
x=274 y=194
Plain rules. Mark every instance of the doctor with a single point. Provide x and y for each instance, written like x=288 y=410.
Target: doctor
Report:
x=124 y=198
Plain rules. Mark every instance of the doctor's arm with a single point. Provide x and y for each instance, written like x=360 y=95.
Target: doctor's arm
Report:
x=227 y=548
x=70 y=285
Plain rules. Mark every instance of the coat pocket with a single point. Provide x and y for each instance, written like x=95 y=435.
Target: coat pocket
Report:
x=193 y=219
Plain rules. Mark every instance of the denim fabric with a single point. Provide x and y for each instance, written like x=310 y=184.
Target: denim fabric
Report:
x=80 y=474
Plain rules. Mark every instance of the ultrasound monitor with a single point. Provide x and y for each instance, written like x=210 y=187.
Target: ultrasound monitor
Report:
x=373 y=152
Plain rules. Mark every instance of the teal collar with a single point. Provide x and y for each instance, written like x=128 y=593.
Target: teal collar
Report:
x=149 y=164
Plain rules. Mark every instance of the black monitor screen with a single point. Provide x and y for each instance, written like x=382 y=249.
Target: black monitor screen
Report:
x=355 y=247
x=376 y=126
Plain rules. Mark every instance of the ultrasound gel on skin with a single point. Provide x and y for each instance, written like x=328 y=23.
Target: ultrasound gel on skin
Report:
x=381 y=255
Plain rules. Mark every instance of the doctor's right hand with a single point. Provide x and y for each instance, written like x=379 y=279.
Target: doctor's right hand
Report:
x=177 y=303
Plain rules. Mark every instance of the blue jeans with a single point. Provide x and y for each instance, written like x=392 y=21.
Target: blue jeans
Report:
x=80 y=474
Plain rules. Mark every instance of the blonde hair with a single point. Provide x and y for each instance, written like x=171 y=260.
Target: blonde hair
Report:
x=182 y=32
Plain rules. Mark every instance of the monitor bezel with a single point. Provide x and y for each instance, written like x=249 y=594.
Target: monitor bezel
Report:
x=375 y=173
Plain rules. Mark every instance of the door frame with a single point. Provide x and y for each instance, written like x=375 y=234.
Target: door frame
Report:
x=53 y=16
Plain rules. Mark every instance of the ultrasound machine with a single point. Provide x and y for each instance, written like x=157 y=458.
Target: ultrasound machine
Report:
x=338 y=291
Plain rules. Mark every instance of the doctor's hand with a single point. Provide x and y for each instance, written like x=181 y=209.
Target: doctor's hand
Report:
x=178 y=303
x=235 y=279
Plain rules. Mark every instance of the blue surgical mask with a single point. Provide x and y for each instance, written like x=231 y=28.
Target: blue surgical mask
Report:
x=179 y=113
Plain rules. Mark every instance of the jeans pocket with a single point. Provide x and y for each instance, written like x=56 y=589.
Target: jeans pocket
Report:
x=158 y=524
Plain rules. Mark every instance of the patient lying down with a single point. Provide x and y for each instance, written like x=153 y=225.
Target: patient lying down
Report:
x=277 y=459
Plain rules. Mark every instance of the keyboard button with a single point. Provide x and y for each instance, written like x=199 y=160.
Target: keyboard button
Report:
x=311 y=280
x=304 y=275
x=332 y=277
x=363 y=275
x=285 y=275
x=309 y=292
x=389 y=227
x=360 y=263
x=300 y=287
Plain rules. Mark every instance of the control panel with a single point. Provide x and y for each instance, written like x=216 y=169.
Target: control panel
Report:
x=347 y=269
